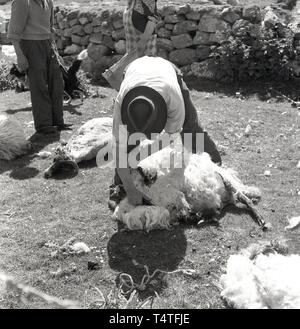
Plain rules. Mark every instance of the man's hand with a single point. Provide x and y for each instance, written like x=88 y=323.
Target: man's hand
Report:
x=134 y=196
x=22 y=62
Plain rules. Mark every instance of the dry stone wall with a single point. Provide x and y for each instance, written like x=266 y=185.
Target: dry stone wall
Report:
x=185 y=33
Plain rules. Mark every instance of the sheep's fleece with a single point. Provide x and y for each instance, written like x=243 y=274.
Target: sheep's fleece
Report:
x=13 y=141
x=262 y=281
x=91 y=137
x=195 y=188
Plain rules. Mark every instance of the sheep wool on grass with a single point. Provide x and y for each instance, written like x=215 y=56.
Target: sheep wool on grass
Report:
x=262 y=281
x=192 y=186
x=13 y=142
x=91 y=137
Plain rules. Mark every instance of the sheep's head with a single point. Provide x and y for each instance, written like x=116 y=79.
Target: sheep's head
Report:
x=149 y=176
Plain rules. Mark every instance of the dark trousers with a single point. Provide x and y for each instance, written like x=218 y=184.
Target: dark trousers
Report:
x=45 y=82
x=192 y=126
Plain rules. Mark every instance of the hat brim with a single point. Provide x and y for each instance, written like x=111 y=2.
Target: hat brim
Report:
x=157 y=121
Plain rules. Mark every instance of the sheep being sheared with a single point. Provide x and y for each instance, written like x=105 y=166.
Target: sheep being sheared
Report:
x=13 y=142
x=262 y=276
x=197 y=187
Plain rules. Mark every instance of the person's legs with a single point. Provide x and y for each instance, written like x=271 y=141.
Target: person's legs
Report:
x=191 y=124
x=56 y=87
x=36 y=54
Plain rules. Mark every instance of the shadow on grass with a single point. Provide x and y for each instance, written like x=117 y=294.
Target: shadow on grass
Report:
x=239 y=210
x=14 y=111
x=72 y=109
x=20 y=167
x=128 y=252
x=87 y=164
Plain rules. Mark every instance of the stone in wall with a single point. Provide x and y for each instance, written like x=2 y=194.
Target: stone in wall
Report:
x=165 y=44
x=88 y=28
x=209 y=23
x=72 y=15
x=73 y=49
x=252 y=14
x=96 y=21
x=163 y=53
x=108 y=41
x=163 y=33
x=76 y=39
x=73 y=22
x=231 y=15
x=118 y=34
x=97 y=51
x=63 y=42
x=185 y=27
x=173 y=19
x=169 y=26
x=184 y=9
x=84 y=41
x=63 y=24
x=78 y=29
x=183 y=57
x=96 y=38
x=182 y=41
x=120 y=47
x=201 y=38
x=167 y=10
x=59 y=17
x=203 y=52
x=193 y=15
x=66 y=32
x=83 y=20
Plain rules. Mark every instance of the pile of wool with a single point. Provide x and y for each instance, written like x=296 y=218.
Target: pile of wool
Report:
x=258 y=279
x=91 y=137
x=13 y=141
x=193 y=184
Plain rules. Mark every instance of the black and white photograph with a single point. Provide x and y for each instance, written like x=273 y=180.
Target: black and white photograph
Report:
x=149 y=157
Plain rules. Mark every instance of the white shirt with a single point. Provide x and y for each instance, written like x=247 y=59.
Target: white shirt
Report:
x=159 y=74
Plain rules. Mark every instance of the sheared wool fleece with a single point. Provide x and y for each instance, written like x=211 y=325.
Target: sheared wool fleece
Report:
x=195 y=188
x=13 y=141
x=265 y=282
x=89 y=139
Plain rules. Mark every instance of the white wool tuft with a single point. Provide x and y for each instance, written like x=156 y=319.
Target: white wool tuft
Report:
x=294 y=223
x=13 y=141
x=266 y=282
x=80 y=247
x=142 y=217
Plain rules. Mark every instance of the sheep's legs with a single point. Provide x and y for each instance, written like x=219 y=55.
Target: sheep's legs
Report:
x=241 y=197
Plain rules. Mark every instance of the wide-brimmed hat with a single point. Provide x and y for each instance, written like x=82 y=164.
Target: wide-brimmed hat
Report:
x=144 y=110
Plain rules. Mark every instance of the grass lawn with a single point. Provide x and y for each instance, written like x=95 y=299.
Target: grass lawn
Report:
x=35 y=212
